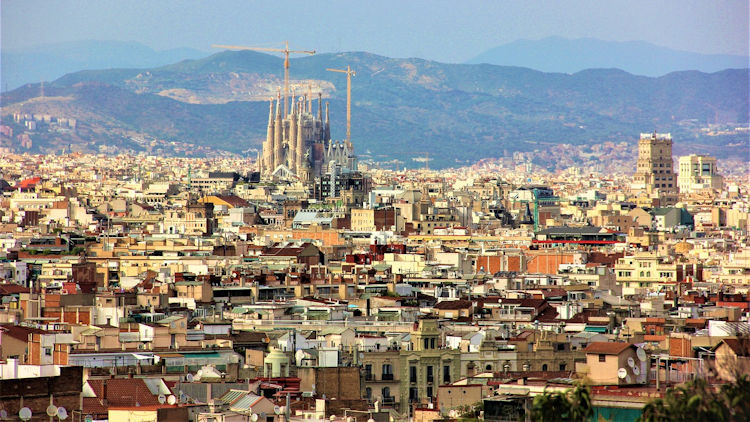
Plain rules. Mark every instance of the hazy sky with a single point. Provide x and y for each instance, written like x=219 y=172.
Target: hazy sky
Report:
x=450 y=31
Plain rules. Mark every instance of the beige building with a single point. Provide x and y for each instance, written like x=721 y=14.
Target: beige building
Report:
x=644 y=272
x=654 y=171
x=609 y=363
x=698 y=172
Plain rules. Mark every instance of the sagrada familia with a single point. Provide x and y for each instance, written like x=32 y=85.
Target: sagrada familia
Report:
x=299 y=144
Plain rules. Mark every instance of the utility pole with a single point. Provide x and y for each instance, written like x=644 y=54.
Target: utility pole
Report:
x=349 y=73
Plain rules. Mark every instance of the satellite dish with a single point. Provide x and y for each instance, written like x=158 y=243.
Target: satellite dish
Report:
x=254 y=417
x=162 y=399
x=189 y=377
x=62 y=414
x=631 y=362
x=636 y=371
x=24 y=413
x=51 y=410
x=277 y=410
x=628 y=379
x=641 y=353
x=171 y=399
x=622 y=373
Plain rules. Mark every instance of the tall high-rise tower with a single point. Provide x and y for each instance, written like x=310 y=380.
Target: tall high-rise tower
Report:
x=654 y=169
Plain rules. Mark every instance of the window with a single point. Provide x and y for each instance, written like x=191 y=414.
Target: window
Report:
x=413 y=394
x=47 y=351
x=430 y=377
x=446 y=373
x=544 y=367
x=368 y=372
x=412 y=374
x=386 y=392
x=429 y=392
x=602 y=358
x=426 y=344
x=562 y=366
x=368 y=393
x=432 y=343
x=387 y=372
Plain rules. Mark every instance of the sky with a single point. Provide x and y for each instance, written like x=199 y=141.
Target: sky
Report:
x=448 y=31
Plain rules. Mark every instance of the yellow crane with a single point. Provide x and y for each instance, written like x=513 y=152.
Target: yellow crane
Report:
x=286 y=51
x=349 y=73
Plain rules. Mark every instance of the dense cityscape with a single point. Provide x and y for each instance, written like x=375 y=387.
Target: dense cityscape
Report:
x=304 y=275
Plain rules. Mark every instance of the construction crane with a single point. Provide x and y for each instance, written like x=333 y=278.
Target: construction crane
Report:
x=424 y=158
x=349 y=73
x=286 y=51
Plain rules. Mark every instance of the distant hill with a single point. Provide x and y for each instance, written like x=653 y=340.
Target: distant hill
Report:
x=460 y=113
x=556 y=54
x=51 y=61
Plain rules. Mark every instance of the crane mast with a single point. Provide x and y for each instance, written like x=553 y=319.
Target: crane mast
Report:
x=286 y=51
x=349 y=73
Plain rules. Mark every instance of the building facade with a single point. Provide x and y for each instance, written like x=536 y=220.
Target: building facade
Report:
x=698 y=172
x=654 y=170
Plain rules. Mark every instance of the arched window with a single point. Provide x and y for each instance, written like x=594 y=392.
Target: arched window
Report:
x=387 y=372
x=368 y=393
x=544 y=367
x=488 y=368
x=386 y=392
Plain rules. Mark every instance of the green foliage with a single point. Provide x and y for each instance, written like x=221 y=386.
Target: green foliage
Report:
x=699 y=401
x=77 y=250
x=470 y=412
x=573 y=405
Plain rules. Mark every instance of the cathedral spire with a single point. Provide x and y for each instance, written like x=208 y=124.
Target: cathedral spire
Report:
x=328 y=124
x=277 y=136
x=300 y=150
x=291 y=158
x=320 y=107
x=268 y=145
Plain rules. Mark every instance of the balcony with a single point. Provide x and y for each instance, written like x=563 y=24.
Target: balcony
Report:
x=387 y=377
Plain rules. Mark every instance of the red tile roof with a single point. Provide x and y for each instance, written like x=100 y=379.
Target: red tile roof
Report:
x=739 y=347
x=453 y=304
x=19 y=332
x=607 y=348
x=12 y=288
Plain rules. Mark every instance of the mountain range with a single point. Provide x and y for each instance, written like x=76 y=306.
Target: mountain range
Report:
x=555 y=54
x=51 y=61
x=460 y=113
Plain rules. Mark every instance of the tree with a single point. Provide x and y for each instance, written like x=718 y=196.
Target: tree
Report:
x=573 y=405
x=699 y=401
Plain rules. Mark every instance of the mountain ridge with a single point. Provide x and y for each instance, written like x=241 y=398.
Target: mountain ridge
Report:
x=406 y=105
x=637 y=57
